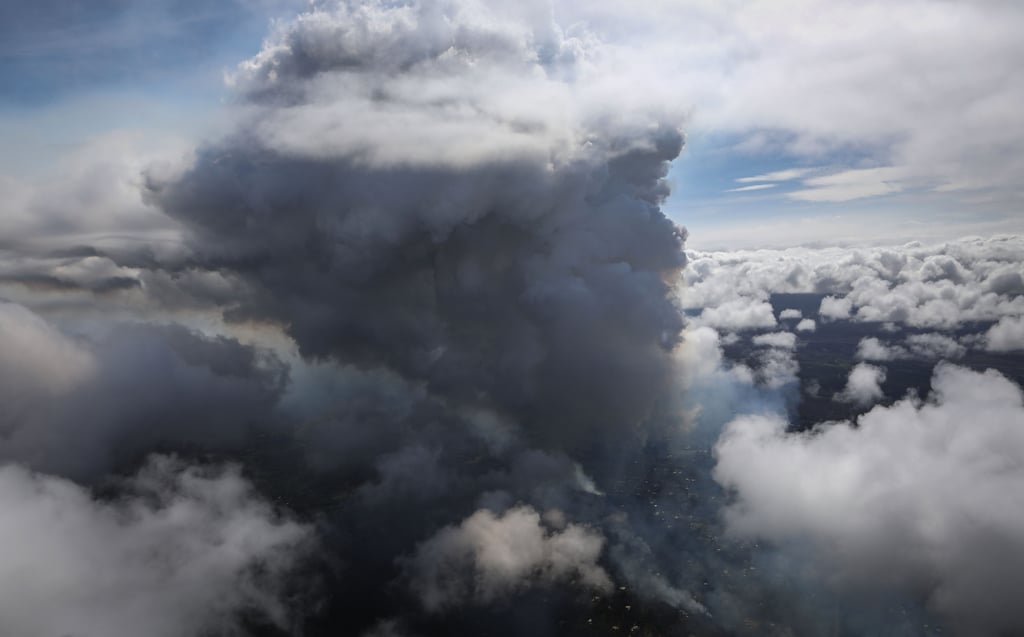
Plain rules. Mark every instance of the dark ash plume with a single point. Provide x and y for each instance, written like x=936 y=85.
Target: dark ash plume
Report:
x=439 y=207
x=519 y=263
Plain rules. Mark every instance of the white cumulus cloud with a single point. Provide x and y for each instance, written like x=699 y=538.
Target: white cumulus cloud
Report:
x=181 y=554
x=918 y=495
x=864 y=385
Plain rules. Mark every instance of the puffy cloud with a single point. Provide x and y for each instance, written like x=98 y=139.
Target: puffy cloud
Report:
x=183 y=551
x=1006 y=336
x=915 y=496
x=93 y=194
x=864 y=385
x=778 y=368
x=937 y=286
x=871 y=348
x=935 y=346
x=489 y=557
x=1005 y=280
x=929 y=346
x=782 y=340
x=456 y=83
x=943 y=267
x=806 y=325
x=790 y=313
x=37 y=362
x=739 y=314
x=834 y=308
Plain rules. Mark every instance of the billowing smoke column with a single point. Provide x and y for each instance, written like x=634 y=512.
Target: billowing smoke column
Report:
x=432 y=188
x=442 y=205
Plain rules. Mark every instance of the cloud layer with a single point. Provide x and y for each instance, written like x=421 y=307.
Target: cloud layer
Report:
x=183 y=551
x=916 y=495
x=935 y=286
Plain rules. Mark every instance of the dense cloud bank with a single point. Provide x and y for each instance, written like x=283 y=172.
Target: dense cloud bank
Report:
x=176 y=549
x=929 y=287
x=886 y=486
x=918 y=494
x=181 y=552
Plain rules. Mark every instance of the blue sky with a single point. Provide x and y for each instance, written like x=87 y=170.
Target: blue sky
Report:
x=843 y=131
x=731 y=197
x=54 y=50
x=76 y=70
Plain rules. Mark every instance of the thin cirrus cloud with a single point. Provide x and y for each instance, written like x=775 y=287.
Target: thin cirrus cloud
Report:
x=779 y=175
x=823 y=84
x=751 y=188
x=811 y=186
x=849 y=185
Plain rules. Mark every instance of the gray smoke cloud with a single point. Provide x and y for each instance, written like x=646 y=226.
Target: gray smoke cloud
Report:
x=427 y=187
x=486 y=557
x=442 y=208
x=81 y=405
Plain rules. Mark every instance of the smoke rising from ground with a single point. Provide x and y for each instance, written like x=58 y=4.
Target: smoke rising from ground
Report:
x=486 y=558
x=486 y=259
x=460 y=237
